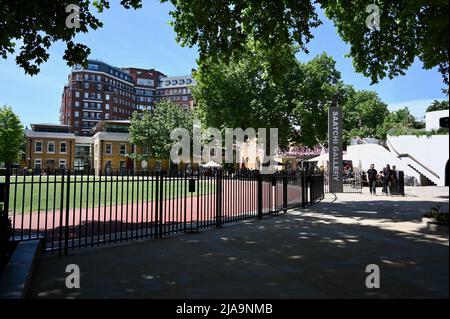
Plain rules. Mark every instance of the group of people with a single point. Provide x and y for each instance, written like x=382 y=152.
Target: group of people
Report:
x=387 y=178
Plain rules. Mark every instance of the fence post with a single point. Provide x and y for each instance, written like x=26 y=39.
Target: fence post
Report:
x=61 y=213
x=303 y=186
x=161 y=199
x=219 y=198
x=285 y=193
x=66 y=235
x=157 y=206
x=5 y=212
x=260 y=196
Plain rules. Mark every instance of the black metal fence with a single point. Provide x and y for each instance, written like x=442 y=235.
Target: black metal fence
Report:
x=78 y=209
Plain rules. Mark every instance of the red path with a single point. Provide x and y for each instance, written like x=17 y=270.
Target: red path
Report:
x=238 y=198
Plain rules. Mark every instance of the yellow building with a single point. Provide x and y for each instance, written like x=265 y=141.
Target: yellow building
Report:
x=49 y=147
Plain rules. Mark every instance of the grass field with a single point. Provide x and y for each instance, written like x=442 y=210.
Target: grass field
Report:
x=30 y=194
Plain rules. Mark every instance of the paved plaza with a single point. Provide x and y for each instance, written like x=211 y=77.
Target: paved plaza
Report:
x=319 y=252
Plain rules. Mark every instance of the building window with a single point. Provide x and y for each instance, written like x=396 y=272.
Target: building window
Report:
x=38 y=147
x=76 y=114
x=92 y=66
x=37 y=163
x=106 y=106
x=51 y=147
x=62 y=164
x=188 y=81
x=77 y=93
x=63 y=147
x=77 y=104
x=86 y=85
x=123 y=149
x=106 y=96
x=108 y=149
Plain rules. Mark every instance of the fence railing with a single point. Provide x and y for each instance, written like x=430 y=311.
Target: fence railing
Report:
x=78 y=209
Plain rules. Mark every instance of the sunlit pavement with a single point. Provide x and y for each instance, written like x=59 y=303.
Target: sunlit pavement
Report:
x=320 y=252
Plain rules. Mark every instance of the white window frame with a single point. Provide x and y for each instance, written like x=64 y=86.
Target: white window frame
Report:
x=35 y=144
x=48 y=147
x=60 y=147
x=106 y=148
x=63 y=161
x=35 y=162
x=120 y=149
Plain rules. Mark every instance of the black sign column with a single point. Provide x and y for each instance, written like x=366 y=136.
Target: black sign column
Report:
x=335 y=161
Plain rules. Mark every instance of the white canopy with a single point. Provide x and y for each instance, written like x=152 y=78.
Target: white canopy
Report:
x=211 y=164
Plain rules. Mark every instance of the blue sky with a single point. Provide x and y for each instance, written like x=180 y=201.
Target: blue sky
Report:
x=143 y=38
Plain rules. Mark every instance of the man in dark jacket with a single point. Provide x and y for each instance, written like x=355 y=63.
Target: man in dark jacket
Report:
x=372 y=179
x=387 y=180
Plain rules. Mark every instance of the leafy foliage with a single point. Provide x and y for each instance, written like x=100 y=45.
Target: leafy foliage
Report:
x=152 y=129
x=363 y=114
x=438 y=106
x=38 y=24
x=408 y=29
x=438 y=215
x=401 y=118
x=245 y=93
x=11 y=136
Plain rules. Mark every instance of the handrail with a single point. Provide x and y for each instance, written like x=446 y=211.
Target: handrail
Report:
x=401 y=155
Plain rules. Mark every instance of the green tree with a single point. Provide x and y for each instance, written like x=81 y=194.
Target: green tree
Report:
x=11 y=136
x=39 y=24
x=401 y=118
x=151 y=129
x=363 y=114
x=408 y=29
x=243 y=93
x=318 y=86
x=438 y=106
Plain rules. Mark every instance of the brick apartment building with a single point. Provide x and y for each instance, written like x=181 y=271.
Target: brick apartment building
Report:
x=104 y=92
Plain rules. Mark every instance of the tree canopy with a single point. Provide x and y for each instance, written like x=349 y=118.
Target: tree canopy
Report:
x=11 y=136
x=151 y=129
x=408 y=30
x=241 y=93
x=363 y=114
x=438 y=106
x=400 y=118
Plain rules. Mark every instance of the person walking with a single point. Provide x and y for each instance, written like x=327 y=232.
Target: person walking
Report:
x=394 y=181
x=387 y=180
x=372 y=179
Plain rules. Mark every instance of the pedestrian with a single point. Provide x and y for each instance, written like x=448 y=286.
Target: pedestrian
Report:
x=387 y=180
x=394 y=181
x=372 y=179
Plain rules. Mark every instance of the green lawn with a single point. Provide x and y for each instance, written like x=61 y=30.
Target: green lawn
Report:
x=34 y=196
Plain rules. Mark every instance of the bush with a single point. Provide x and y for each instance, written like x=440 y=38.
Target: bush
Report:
x=438 y=215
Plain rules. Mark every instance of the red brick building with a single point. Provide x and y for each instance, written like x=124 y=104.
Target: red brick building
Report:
x=104 y=92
